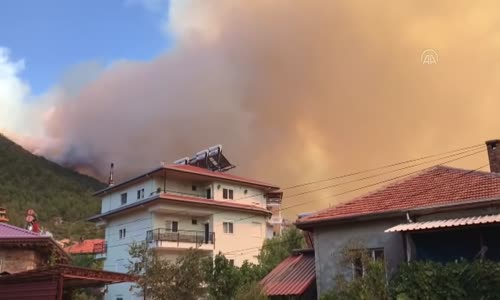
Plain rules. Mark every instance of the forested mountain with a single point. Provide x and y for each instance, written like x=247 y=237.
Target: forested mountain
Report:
x=61 y=197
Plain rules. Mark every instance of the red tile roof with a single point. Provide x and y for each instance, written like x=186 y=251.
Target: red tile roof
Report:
x=11 y=231
x=85 y=247
x=220 y=175
x=437 y=186
x=187 y=169
x=292 y=277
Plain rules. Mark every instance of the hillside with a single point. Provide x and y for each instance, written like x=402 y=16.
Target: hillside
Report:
x=54 y=192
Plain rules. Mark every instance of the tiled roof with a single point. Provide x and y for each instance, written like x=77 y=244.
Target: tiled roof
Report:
x=189 y=200
x=194 y=171
x=11 y=231
x=84 y=247
x=220 y=175
x=437 y=186
x=292 y=276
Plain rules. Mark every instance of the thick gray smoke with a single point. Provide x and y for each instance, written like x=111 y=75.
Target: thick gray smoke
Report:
x=295 y=90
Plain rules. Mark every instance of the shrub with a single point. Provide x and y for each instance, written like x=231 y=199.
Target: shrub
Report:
x=458 y=280
x=371 y=286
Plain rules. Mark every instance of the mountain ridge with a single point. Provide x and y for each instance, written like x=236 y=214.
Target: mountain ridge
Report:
x=61 y=197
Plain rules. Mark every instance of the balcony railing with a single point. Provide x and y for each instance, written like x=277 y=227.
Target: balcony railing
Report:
x=198 y=238
x=100 y=248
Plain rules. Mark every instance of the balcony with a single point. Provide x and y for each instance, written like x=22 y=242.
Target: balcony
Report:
x=100 y=250
x=181 y=239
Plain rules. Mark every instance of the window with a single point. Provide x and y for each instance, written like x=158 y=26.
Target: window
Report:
x=209 y=194
x=228 y=227
x=173 y=226
x=119 y=298
x=193 y=188
x=140 y=194
x=124 y=198
x=361 y=257
x=227 y=194
x=122 y=233
x=194 y=222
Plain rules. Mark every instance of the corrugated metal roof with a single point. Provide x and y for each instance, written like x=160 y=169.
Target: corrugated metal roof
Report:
x=11 y=231
x=475 y=220
x=292 y=276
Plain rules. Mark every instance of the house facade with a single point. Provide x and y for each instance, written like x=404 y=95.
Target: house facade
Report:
x=442 y=214
x=23 y=250
x=178 y=207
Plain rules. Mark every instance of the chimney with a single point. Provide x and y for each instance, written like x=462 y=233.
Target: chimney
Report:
x=493 y=148
x=3 y=215
x=111 y=182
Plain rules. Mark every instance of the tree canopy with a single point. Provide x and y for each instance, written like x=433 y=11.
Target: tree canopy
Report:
x=193 y=275
x=61 y=197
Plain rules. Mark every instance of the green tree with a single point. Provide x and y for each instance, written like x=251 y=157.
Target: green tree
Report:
x=87 y=261
x=250 y=291
x=61 y=197
x=160 y=279
x=278 y=248
x=222 y=278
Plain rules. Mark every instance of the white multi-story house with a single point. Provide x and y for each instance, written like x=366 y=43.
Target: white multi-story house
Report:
x=177 y=207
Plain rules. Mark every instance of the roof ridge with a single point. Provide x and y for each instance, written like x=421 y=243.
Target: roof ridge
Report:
x=374 y=191
x=472 y=171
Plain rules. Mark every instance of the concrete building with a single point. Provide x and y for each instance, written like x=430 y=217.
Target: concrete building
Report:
x=441 y=214
x=181 y=206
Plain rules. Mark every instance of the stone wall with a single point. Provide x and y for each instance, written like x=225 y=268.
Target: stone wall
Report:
x=17 y=260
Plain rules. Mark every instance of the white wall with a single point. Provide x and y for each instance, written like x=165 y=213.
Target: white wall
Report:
x=249 y=233
x=117 y=258
x=113 y=200
x=252 y=196
x=249 y=229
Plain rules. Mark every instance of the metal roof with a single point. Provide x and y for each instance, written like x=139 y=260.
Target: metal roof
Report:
x=445 y=223
x=292 y=277
x=11 y=231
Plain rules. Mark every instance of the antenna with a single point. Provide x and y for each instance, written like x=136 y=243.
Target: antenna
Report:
x=111 y=182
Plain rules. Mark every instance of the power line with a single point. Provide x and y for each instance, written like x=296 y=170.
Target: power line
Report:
x=372 y=176
x=311 y=191
x=374 y=184
x=469 y=148
x=370 y=185
x=381 y=174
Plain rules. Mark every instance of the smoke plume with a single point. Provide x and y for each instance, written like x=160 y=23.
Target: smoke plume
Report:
x=293 y=90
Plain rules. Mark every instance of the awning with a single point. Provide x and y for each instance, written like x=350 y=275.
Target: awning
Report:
x=293 y=276
x=445 y=223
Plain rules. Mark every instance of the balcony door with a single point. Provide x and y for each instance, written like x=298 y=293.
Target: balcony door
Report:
x=207 y=233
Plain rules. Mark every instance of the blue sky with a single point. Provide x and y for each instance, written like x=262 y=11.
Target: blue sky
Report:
x=53 y=36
